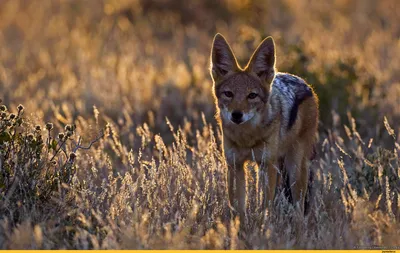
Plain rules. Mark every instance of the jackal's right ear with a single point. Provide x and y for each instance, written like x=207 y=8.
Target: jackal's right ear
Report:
x=223 y=60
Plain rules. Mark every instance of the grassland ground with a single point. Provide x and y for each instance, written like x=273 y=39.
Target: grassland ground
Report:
x=132 y=157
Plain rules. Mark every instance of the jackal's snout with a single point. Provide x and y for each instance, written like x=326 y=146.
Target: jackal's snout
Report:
x=237 y=117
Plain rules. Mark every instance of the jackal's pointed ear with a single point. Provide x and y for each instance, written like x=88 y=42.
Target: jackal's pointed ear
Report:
x=223 y=60
x=262 y=62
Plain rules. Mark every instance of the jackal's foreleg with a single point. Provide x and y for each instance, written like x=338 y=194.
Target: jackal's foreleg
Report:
x=237 y=189
x=296 y=165
x=270 y=184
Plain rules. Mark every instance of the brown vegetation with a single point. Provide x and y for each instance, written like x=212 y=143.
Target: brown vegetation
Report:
x=133 y=76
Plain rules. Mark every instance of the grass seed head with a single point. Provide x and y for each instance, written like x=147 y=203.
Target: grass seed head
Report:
x=20 y=108
x=49 y=126
x=72 y=156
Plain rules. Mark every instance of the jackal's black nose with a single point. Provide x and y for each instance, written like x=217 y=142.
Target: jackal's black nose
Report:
x=237 y=117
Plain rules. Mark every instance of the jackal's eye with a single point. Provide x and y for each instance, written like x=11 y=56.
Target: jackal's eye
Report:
x=252 y=95
x=228 y=94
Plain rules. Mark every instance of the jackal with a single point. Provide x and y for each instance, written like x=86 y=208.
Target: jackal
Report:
x=265 y=116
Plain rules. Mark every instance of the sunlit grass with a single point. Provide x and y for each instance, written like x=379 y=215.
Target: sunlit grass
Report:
x=131 y=78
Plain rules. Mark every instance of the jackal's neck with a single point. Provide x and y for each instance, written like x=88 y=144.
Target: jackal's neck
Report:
x=272 y=112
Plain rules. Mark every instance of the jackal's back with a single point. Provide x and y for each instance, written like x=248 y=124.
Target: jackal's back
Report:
x=291 y=91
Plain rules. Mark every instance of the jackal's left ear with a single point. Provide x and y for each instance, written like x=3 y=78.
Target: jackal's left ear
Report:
x=262 y=62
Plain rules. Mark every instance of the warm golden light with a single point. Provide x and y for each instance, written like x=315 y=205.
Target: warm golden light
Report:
x=108 y=136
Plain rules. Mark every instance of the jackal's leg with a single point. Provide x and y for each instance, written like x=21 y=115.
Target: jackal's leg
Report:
x=297 y=171
x=237 y=189
x=270 y=184
x=231 y=184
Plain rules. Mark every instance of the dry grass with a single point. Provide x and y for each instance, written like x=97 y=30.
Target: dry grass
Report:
x=137 y=71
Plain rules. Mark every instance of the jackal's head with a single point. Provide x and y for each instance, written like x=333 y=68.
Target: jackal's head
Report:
x=242 y=93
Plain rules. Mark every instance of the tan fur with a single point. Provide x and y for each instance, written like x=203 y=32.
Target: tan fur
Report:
x=263 y=135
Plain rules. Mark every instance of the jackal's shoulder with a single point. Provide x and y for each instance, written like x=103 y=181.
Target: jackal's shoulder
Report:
x=291 y=91
x=291 y=86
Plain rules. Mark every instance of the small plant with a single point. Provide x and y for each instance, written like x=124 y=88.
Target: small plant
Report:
x=33 y=166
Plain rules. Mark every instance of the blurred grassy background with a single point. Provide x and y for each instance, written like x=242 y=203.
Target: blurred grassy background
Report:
x=153 y=56
x=140 y=62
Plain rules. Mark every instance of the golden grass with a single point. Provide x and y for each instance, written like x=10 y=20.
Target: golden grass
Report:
x=137 y=71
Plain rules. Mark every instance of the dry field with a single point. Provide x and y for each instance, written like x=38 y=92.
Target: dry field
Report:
x=132 y=157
